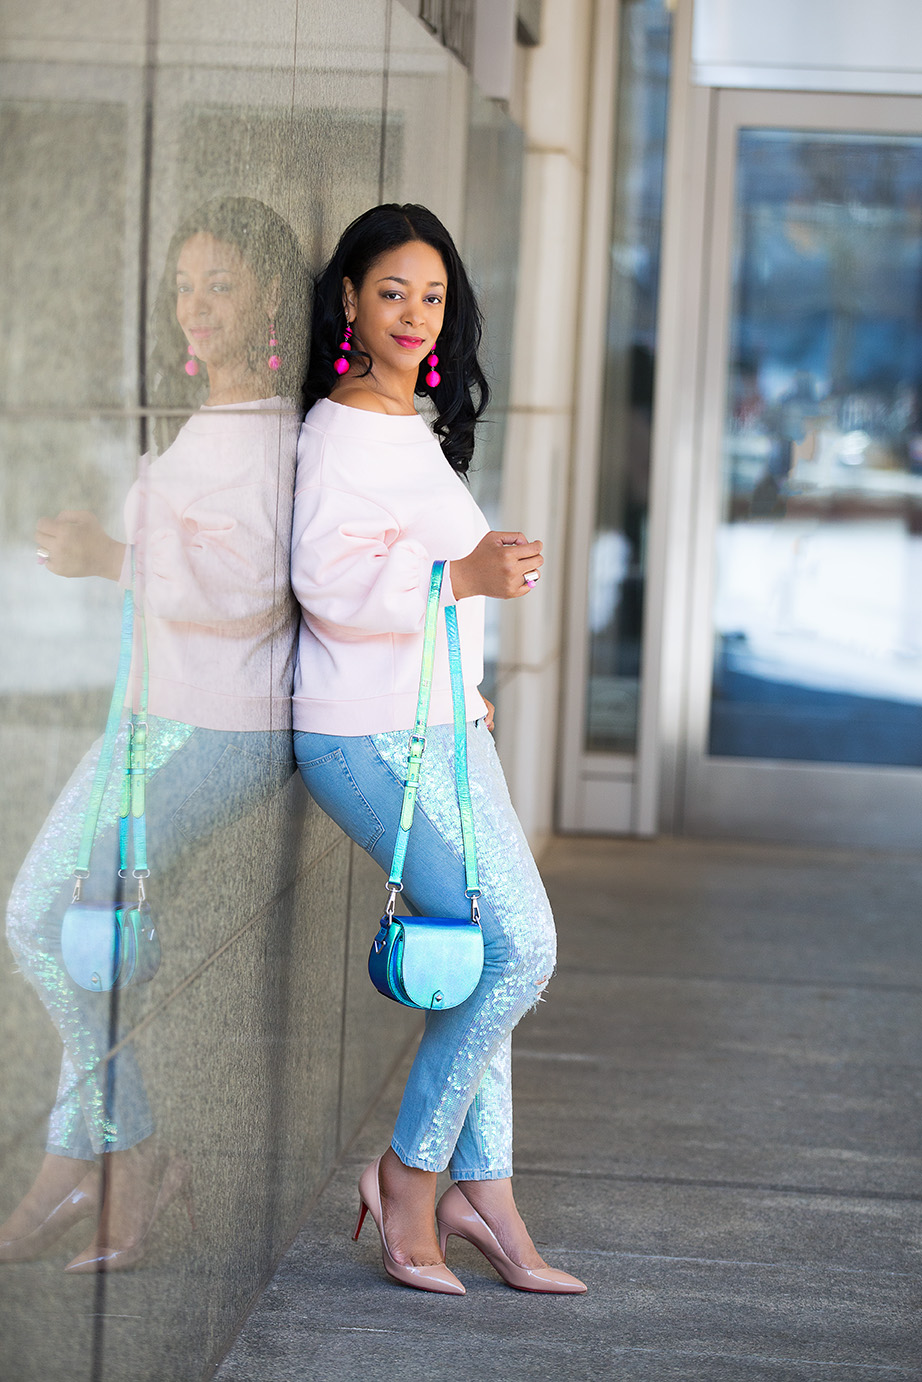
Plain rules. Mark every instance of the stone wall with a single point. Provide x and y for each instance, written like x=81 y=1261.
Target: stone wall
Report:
x=260 y=1041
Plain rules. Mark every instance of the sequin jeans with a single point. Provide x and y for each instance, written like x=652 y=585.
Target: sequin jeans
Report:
x=457 y=1106
x=198 y=779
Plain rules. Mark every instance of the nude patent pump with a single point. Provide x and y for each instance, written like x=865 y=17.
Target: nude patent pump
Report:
x=80 y=1204
x=456 y=1214
x=434 y=1278
x=175 y=1180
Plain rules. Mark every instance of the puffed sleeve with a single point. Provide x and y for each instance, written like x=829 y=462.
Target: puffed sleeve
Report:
x=210 y=528
x=352 y=567
x=211 y=564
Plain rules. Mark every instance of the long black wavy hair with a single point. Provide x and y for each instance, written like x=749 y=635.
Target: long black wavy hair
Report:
x=463 y=393
x=268 y=245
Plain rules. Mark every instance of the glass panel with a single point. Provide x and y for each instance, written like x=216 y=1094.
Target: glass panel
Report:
x=616 y=570
x=495 y=158
x=818 y=639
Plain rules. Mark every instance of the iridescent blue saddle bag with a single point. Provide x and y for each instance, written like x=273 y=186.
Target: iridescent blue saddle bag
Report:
x=109 y=947
x=432 y=962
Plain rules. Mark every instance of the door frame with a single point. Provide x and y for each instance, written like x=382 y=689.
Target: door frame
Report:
x=596 y=791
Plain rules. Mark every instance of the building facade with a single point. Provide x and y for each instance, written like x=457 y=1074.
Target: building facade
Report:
x=697 y=234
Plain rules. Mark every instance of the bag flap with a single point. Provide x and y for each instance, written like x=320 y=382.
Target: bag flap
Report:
x=440 y=961
x=90 y=945
x=107 y=946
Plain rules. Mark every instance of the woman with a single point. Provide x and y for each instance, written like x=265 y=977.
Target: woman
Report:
x=207 y=552
x=377 y=500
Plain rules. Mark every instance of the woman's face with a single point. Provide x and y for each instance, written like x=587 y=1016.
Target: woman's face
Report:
x=397 y=313
x=220 y=303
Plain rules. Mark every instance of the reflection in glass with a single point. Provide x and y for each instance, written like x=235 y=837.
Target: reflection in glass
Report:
x=818 y=603
x=616 y=569
x=207 y=528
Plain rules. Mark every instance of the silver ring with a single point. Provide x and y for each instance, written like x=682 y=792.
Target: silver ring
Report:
x=532 y=578
x=41 y=555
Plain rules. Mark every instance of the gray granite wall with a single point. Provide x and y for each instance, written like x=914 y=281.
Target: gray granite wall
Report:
x=260 y=1042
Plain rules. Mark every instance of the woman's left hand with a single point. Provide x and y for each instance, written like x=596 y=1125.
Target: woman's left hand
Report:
x=491 y=712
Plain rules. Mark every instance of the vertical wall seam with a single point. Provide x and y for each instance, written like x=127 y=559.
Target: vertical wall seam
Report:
x=382 y=146
x=147 y=160
x=347 y=950
x=148 y=83
x=285 y=576
x=294 y=92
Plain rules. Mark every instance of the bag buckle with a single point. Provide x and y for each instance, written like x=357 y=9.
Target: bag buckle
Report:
x=473 y=894
x=380 y=940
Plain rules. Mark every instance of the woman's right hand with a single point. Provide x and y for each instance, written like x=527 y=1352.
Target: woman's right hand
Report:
x=497 y=567
x=78 y=545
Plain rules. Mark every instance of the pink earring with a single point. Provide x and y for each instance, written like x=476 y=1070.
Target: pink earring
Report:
x=345 y=345
x=433 y=377
x=191 y=365
x=275 y=360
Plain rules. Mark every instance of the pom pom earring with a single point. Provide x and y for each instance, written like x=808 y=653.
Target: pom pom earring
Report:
x=433 y=377
x=191 y=365
x=345 y=345
x=275 y=360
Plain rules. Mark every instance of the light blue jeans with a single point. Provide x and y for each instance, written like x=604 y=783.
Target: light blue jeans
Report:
x=198 y=779
x=457 y=1106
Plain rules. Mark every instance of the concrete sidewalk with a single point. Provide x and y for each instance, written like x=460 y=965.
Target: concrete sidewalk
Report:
x=717 y=1127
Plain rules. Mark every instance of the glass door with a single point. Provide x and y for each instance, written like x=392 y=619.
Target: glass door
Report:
x=806 y=678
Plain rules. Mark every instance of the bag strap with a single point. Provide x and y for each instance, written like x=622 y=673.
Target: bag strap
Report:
x=132 y=817
x=132 y=813
x=418 y=744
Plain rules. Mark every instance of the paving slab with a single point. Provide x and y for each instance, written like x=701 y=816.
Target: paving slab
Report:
x=717 y=1127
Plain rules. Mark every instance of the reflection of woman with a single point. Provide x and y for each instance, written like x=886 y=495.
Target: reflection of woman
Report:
x=208 y=526
x=377 y=500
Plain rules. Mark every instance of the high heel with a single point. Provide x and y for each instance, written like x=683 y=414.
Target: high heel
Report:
x=455 y=1214
x=434 y=1278
x=175 y=1181
x=81 y=1203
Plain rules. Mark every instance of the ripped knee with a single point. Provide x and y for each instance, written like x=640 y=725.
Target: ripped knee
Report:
x=540 y=987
